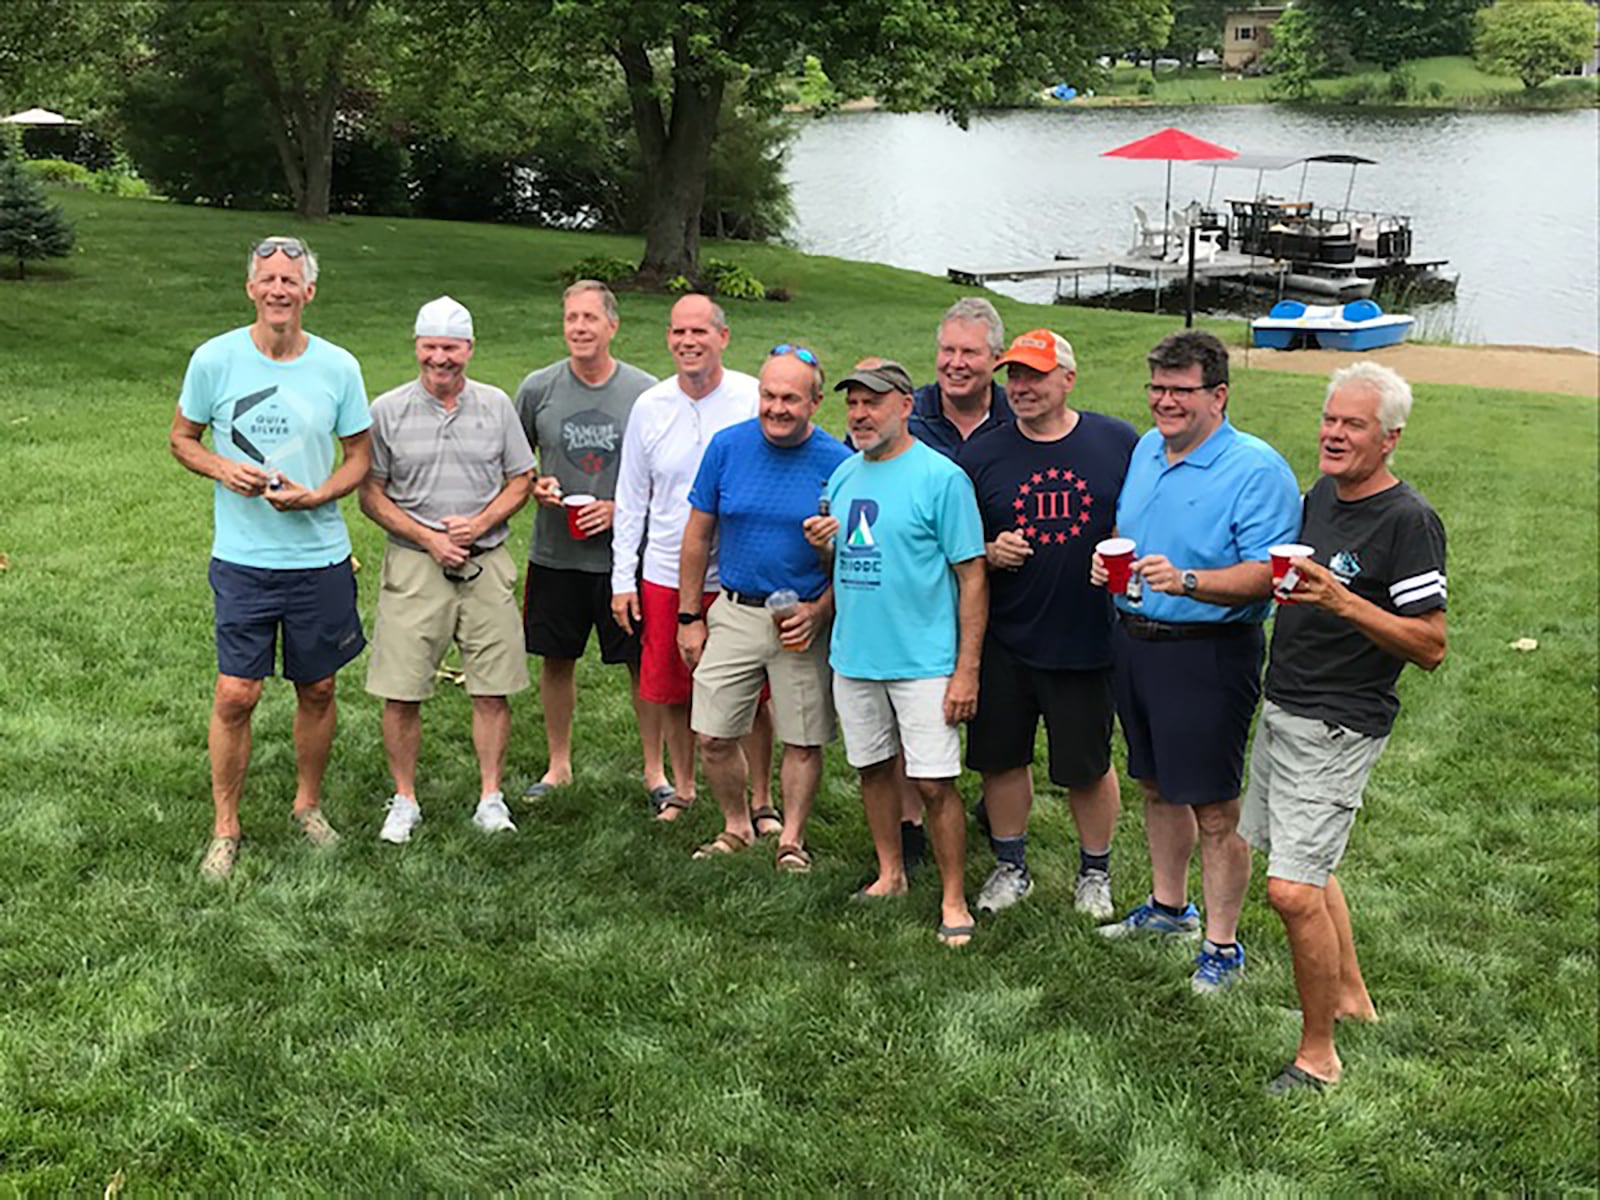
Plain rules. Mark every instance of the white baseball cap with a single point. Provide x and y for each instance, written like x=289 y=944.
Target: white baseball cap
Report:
x=444 y=318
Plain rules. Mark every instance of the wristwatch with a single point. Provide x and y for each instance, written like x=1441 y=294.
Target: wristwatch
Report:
x=690 y=618
x=1190 y=582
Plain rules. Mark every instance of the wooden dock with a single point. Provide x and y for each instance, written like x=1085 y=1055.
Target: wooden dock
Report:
x=1161 y=273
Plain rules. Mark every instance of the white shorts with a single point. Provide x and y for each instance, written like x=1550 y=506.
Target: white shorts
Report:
x=879 y=718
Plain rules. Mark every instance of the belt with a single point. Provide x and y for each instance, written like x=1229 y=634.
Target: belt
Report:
x=1147 y=630
x=474 y=551
x=747 y=599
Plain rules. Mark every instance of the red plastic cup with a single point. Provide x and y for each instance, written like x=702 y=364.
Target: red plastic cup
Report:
x=1284 y=576
x=1117 y=554
x=574 y=505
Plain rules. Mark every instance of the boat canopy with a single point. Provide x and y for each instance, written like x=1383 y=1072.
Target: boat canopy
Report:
x=1262 y=163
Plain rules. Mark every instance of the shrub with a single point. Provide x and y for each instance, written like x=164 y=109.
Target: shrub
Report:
x=30 y=226
x=1402 y=83
x=599 y=266
x=1357 y=91
x=681 y=284
x=731 y=280
x=1435 y=89
x=1146 y=86
x=58 y=172
x=119 y=183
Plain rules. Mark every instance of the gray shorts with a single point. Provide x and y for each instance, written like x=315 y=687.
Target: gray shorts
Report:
x=1306 y=780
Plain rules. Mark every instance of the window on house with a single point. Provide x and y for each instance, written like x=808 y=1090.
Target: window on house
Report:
x=1246 y=33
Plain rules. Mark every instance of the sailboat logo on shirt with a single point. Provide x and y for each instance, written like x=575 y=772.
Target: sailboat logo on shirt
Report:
x=860 y=559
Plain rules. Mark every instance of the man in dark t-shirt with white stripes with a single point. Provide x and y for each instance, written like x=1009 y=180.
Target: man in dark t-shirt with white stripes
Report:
x=1368 y=600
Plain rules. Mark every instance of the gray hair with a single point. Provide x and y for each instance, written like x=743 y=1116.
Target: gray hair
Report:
x=719 y=319
x=1392 y=391
x=978 y=311
x=608 y=299
x=308 y=269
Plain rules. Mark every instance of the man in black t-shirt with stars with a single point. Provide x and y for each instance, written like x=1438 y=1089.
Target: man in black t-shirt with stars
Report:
x=1047 y=487
x=1370 y=599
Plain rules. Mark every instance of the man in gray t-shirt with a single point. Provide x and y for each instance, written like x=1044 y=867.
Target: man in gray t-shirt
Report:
x=574 y=412
x=450 y=465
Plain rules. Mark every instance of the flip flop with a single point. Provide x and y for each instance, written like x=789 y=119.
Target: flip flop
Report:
x=769 y=814
x=947 y=934
x=660 y=796
x=793 y=859
x=538 y=789
x=1295 y=1079
x=724 y=843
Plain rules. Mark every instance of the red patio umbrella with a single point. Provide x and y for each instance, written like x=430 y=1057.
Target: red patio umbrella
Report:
x=1173 y=145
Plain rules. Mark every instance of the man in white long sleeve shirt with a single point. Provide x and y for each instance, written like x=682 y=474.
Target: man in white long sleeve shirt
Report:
x=667 y=434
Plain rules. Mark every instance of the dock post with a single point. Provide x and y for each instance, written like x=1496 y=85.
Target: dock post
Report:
x=1188 y=304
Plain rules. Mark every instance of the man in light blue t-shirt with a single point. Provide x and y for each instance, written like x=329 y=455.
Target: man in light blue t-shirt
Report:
x=910 y=600
x=275 y=399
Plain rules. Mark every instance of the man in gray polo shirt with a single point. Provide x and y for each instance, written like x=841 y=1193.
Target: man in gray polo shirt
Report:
x=450 y=465
x=574 y=412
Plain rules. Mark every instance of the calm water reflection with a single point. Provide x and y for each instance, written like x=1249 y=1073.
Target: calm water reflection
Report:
x=1512 y=200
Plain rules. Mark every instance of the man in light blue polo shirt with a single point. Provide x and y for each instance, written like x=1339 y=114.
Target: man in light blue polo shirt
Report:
x=1203 y=503
x=275 y=399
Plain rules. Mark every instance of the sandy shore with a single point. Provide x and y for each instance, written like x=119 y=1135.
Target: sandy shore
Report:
x=1517 y=368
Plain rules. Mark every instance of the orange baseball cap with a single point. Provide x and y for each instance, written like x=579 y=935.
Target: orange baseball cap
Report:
x=1041 y=349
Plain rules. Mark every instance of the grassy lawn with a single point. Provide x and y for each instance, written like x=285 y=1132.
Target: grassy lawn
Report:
x=1448 y=82
x=581 y=1007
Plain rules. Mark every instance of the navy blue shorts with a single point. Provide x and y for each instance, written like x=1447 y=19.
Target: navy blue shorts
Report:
x=1012 y=696
x=316 y=608
x=1186 y=707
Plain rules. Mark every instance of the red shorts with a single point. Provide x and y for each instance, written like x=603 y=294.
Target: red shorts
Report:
x=663 y=679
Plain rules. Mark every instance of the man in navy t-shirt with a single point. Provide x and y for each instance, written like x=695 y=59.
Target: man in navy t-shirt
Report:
x=758 y=482
x=1047 y=488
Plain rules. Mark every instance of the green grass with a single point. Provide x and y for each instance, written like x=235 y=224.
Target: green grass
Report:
x=1445 y=82
x=582 y=1008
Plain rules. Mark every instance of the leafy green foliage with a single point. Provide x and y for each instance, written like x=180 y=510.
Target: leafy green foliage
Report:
x=1196 y=25
x=119 y=183
x=58 y=172
x=1534 y=39
x=31 y=226
x=604 y=267
x=730 y=280
x=1294 y=57
x=1389 y=32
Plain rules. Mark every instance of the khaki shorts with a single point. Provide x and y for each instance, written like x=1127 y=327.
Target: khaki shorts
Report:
x=1306 y=780
x=420 y=612
x=880 y=718
x=743 y=653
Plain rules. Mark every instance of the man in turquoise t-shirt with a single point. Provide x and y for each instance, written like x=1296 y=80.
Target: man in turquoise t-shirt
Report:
x=910 y=600
x=275 y=398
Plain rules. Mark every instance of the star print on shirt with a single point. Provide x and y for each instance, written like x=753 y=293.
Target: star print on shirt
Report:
x=1037 y=505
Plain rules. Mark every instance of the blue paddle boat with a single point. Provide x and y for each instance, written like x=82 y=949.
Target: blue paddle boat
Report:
x=1359 y=325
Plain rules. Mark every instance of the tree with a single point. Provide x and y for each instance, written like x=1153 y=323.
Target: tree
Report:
x=1534 y=39
x=1295 y=58
x=31 y=227
x=679 y=57
x=1196 y=26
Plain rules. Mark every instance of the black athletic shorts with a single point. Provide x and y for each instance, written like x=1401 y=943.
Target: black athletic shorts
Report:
x=315 y=607
x=1186 y=707
x=1012 y=696
x=559 y=608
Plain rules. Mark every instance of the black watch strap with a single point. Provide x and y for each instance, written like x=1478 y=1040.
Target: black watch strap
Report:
x=690 y=618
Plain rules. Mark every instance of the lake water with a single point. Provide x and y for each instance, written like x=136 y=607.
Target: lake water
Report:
x=1511 y=199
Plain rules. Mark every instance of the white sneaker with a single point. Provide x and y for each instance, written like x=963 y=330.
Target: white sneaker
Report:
x=1092 y=895
x=402 y=819
x=1006 y=884
x=493 y=816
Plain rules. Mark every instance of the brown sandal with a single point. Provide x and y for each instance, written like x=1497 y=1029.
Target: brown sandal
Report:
x=724 y=843
x=769 y=814
x=795 y=860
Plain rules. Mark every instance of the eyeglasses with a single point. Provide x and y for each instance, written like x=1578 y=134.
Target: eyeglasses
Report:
x=287 y=246
x=472 y=565
x=800 y=352
x=1157 y=390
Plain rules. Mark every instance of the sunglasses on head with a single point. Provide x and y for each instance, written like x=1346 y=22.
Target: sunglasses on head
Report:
x=800 y=352
x=289 y=247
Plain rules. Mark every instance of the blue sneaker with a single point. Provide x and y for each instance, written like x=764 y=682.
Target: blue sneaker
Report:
x=1214 y=971
x=1147 y=920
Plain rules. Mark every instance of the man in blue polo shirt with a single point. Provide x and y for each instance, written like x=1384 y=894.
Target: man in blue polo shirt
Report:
x=965 y=400
x=276 y=398
x=1203 y=503
x=757 y=484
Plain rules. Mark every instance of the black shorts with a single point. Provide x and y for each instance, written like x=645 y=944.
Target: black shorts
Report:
x=559 y=608
x=1012 y=696
x=1186 y=708
x=316 y=608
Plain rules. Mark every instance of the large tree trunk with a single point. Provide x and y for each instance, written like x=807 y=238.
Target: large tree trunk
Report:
x=677 y=156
